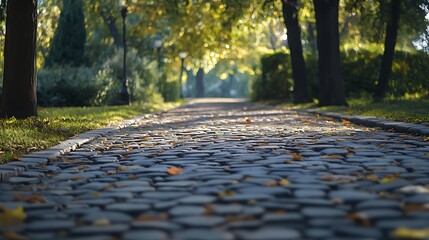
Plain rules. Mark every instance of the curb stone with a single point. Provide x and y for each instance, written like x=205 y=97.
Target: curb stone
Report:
x=36 y=159
x=368 y=121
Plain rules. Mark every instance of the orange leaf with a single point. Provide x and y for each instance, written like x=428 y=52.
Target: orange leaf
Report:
x=247 y=119
x=174 y=170
x=345 y=121
x=297 y=156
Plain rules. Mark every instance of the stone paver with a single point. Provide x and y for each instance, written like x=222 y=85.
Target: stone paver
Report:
x=222 y=169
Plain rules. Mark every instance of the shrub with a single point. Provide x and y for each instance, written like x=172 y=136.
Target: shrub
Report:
x=360 y=72
x=71 y=86
x=276 y=79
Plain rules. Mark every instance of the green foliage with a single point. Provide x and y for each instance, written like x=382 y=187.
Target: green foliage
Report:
x=360 y=71
x=84 y=86
x=71 y=86
x=68 y=44
x=276 y=80
x=18 y=137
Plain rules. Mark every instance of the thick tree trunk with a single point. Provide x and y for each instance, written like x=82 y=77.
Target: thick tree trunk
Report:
x=290 y=14
x=389 y=51
x=19 y=97
x=331 y=83
x=200 y=83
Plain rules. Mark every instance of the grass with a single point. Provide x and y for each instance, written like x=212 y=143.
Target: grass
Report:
x=18 y=137
x=410 y=111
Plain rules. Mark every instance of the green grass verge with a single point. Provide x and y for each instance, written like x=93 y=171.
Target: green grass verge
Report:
x=411 y=111
x=18 y=137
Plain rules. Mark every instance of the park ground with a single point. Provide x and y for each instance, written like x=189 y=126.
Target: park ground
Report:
x=225 y=169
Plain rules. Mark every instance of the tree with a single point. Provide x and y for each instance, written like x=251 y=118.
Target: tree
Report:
x=392 y=27
x=331 y=83
x=200 y=83
x=19 y=97
x=68 y=44
x=290 y=15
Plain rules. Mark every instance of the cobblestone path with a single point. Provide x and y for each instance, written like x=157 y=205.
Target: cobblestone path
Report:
x=228 y=170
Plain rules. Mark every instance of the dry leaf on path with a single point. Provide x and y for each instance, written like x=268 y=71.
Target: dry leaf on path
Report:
x=345 y=121
x=296 y=156
x=174 y=170
x=407 y=233
x=247 y=119
x=12 y=217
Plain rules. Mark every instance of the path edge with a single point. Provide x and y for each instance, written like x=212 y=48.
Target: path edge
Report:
x=39 y=158
x=370 y=121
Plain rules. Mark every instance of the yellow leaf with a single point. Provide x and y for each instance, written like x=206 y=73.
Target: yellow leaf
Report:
x=389 y=178
x=284 y=182
x=174 y=170
x=12 y=217
x=101 y=222
x=408 y=233
x=297 y=156
x=272 y=183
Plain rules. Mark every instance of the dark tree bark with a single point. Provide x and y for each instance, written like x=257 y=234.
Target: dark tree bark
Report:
x=110 y=22
x=331 y=83
x=389 y=51
x=290 y=15
x=200 y=83
x=19 y=97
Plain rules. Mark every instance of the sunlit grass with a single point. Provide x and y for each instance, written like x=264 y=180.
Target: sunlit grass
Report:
x=53 y=125
x=404 y=110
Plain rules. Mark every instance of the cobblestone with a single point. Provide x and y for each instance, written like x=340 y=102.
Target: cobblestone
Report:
x=224 y=170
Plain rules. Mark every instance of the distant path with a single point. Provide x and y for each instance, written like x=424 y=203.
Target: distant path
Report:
x=227 y=169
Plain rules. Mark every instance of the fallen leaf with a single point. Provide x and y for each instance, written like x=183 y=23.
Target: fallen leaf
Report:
x=390 y=178
x=414 y=208
x=123 y=168
x=247 y=119
x=12 y=217
x=226 y=194
x=35 y=199
x=408 y=233
x=345 y=121
x=101 y=222
x=360 y=218
x=174 y=170
x=296 y=156
x=284 y=182
x=272 y=183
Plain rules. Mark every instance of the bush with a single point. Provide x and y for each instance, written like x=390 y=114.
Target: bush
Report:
x=71 y=86
x=82 y=86
x=360 y=72
x=276 y=79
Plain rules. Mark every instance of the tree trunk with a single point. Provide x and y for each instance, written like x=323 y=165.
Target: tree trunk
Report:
x=200 y=83
x=19 y=98
x=389 y=51
x=331 y=83
x=290 y=15
x=110 y=22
